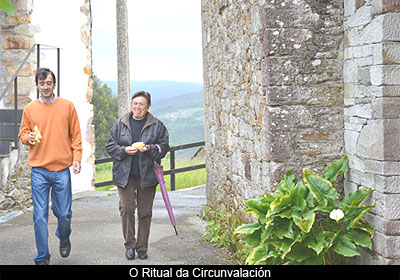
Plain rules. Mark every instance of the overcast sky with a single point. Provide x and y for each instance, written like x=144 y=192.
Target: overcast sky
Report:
x=164 y=39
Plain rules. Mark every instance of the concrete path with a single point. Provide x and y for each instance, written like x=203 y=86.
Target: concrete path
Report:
x=97 y=235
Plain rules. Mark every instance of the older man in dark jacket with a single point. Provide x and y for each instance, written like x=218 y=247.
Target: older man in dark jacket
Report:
x=133 y=169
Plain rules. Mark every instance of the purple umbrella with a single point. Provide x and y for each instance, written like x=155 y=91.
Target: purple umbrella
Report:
x=158 y=171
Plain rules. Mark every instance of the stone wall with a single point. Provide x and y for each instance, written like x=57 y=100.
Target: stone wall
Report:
x=372 y=119
x=17 y=38
x=299 y=83
x=273 y=92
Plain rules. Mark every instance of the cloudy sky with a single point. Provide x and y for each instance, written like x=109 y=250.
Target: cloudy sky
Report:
x=164 y=40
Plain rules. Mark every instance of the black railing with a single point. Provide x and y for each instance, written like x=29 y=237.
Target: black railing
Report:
x=172 y=171
x=14 y=80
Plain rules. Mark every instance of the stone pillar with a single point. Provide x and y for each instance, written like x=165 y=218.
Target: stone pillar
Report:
x=302 y=81
x=123 y=58
x=17 y=38
x=371 y=74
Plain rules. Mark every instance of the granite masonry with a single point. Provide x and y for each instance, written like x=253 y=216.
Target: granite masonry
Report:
x=298 y=84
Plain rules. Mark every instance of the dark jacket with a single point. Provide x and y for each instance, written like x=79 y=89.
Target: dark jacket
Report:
x=119 y=137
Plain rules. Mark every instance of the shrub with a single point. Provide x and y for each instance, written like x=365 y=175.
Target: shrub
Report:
x=287 y=230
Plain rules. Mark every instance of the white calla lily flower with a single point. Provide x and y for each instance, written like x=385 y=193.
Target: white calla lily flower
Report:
x=336 y=214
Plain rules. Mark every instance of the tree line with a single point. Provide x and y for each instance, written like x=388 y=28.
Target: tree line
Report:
x=105 y=107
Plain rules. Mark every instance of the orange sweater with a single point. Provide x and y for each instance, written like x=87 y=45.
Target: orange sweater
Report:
x=58 y=124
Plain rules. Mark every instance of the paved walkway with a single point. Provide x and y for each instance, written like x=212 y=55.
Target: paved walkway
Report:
x=97 y=235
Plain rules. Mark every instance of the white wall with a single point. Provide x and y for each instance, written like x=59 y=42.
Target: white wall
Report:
x=59 y=24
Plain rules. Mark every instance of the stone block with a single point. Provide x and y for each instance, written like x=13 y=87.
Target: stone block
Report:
x=387 y=184
x=359 y=110
x=371 y=141
x=390 y=25
x=385 y=6
x=350 y=141
x=286 y=41
x=350 y=71
x=387 y=205
x=385 y=108
x=364 y=77
x=387 y=53
x=386 y=246
x=360 y=178
x=385 y=75
x=384 y=91
x=361 y=17
x=384 y=226
x=17 y=42
x=349 y=7
x=379 y=140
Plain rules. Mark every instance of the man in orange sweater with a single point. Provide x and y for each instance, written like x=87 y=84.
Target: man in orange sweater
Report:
x=50 y=127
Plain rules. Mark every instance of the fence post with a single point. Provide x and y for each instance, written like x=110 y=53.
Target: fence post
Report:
x=16 y=112
x=37 y=65
x=58 y=71
x=172 y=167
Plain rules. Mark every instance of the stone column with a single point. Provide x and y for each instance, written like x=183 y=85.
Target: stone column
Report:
x=371 y=74
x=123 y=58
x=17 y=37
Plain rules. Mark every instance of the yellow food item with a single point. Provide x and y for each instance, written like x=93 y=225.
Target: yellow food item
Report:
x=137 y=145
x=38 y=136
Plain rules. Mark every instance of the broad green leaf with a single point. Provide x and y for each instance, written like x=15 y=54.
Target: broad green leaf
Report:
x=334 y=169
x=281 y=245
x=299 y=253
x=284 y=228
x=258 y=206
x=281 y=202
x=320 y=241
x=344 y=246
x=7 y=7
x=325 y=209
x=287 y=213
x=258 y=254
x=304 y=220
x=247 y=228
x=354 y=214
x=354 y=198
x=253 y=239
x=365 y=226
x=320 y=188
x=318 y=260
x=287 y=183
x=360 y=237
x=299 y=193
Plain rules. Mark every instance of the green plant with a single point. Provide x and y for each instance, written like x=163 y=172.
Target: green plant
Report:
x=7 y=7
x=295 y=223
x=219 y=230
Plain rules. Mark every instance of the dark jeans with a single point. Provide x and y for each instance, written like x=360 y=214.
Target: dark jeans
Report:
x=132 y=197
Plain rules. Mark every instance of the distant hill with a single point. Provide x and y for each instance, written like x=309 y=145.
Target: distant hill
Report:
x=159 y=89
x=183 y=116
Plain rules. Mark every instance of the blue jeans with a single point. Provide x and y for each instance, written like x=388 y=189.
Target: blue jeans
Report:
x=61 y=196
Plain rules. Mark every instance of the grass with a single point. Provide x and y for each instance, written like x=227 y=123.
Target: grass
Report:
x=182 y=180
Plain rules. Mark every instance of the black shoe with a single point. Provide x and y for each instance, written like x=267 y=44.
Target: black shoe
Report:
x=65 y=249
x=41 y=263
x=130 y=254
x=142 y=255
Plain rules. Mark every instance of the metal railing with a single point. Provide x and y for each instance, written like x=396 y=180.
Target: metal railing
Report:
x=14 y=80
x=172 y=171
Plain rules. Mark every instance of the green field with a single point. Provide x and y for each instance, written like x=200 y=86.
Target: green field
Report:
x=182 y=180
